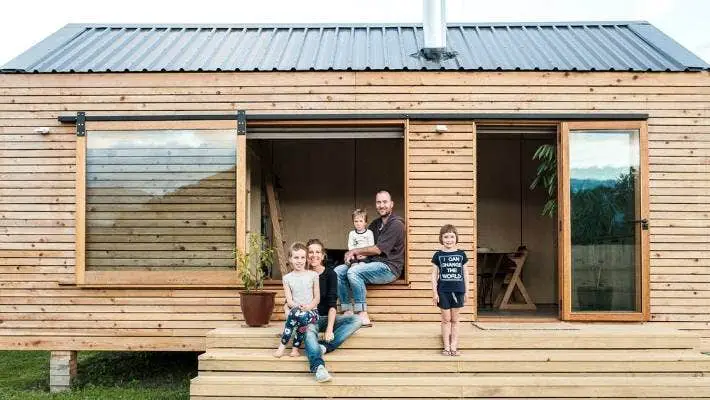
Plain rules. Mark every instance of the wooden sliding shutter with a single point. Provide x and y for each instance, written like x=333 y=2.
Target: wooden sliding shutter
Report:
x=159 y=202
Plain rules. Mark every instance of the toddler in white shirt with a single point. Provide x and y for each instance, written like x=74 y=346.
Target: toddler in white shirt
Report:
x=361 y=236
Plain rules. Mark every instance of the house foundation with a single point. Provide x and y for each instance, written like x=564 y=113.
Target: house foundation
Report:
x=62 y=370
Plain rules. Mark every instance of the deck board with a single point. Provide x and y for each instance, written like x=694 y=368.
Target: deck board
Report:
x=515 y=360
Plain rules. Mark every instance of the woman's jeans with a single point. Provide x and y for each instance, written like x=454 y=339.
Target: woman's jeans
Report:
x=355 y=277
x=345 y=325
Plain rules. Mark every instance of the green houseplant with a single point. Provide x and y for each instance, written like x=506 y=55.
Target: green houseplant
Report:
x=547 y=176
x=599 y=216
x=256 y=304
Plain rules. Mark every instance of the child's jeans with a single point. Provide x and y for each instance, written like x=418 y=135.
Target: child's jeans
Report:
x=297 y=323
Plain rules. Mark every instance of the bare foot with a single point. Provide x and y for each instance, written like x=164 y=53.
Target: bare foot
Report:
x=294 y=352
x=365 y=318
x=348 y=312
x=280 y=351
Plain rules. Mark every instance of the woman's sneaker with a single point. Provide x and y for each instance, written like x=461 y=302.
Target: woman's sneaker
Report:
x=322 y=374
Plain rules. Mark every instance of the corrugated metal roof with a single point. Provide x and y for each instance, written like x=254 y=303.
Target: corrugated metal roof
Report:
x=580 y=46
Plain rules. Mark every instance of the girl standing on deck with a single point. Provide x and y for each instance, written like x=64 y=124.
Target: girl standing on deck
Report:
x=449 y=283
x=302 y=297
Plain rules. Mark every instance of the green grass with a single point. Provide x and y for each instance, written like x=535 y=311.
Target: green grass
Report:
x=24 y=375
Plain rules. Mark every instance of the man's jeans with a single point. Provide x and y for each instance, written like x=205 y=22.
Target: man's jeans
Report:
x=345 y=325
x=355 y=278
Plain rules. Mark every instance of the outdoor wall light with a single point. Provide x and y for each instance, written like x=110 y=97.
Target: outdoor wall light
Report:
x=441 y=128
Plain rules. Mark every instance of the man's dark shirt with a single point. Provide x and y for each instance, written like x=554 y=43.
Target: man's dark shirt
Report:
x=389 y=238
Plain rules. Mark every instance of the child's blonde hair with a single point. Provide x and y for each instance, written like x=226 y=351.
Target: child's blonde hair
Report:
x=360 y=213
x=448 y=228
x=296 y=246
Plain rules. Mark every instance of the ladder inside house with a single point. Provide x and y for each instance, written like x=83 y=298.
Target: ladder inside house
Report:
x=277 y=228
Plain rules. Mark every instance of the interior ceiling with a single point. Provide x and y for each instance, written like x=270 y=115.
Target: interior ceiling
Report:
x=326 y=132
x=498 y=132
x=483 y=132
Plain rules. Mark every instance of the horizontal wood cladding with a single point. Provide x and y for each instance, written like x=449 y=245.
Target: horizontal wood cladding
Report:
x=350 y=79
x=441 y=196
x=37 y=178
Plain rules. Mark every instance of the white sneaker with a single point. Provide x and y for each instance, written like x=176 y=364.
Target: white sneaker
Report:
x=322 y=374
x=322 y=350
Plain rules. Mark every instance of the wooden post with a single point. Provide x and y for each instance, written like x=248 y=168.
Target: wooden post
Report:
x=80 y=214
x=241 y=189
x=473 y=288
x=62 y=370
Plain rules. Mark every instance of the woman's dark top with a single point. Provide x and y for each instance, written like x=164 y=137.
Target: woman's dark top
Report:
x=328 y=282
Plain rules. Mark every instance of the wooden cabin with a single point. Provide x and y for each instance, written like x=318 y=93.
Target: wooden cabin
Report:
x=135 y=159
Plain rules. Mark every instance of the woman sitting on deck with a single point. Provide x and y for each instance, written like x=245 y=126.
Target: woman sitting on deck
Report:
x=336 y=328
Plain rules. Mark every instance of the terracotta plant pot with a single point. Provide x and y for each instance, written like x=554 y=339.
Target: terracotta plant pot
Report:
x=257 y=307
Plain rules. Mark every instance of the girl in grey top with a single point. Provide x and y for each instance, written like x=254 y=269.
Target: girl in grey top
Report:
x=302 y=293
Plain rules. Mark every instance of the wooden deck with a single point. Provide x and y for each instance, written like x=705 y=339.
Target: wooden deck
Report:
x=499 y=360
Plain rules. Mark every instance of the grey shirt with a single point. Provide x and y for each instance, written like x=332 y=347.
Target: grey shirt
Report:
x=301 y=285
x=390 y=239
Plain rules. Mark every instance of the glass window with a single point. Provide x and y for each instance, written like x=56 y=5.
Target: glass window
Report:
x=604 y=206
x=160 y=200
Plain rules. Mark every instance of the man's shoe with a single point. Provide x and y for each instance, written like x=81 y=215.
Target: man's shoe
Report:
x=322 y=374
x=322 y=350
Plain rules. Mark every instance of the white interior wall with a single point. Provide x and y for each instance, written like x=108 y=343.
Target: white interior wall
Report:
x=509 y=213
x=322 y=181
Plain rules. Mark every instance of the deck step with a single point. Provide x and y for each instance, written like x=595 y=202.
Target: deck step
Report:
x=472 y=361
x=346 y=385
x=403 y=360
x=427 y=336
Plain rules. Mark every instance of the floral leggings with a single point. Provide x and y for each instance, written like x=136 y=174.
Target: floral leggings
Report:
x=297 y=322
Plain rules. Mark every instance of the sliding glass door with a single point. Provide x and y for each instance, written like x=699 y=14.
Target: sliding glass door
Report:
x=604 y=220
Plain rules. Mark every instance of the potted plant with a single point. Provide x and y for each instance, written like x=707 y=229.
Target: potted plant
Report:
x=595 y=294
x=257 y=305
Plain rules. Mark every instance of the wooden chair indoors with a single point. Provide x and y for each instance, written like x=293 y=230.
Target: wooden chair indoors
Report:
x=487 y=274
x=511 y=268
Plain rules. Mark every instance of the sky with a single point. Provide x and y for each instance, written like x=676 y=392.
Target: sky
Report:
x=24 y=23
x=602 y=156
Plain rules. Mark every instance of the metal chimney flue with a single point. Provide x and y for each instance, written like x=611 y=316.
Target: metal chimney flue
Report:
x=435 y=32
x=435 y=24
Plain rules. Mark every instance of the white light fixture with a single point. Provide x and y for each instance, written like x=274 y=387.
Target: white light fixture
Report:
x=441 y=128
x=42 y=130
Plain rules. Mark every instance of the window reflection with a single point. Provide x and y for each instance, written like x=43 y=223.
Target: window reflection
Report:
x=160 y=199
x=603 y=186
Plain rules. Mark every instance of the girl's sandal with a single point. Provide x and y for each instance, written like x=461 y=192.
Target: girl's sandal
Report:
x=445 y=352
x=455 y=353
